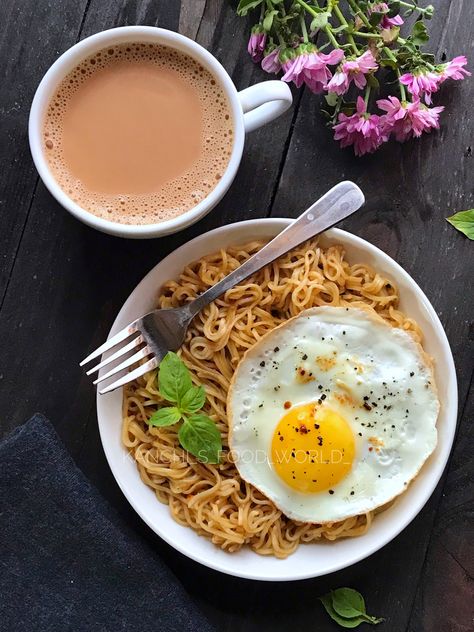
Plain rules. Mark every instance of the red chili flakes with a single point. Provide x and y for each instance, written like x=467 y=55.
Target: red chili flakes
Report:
x=303 y=429
x=287 y=405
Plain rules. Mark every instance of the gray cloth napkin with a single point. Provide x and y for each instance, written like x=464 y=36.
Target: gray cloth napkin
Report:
x=67 y=560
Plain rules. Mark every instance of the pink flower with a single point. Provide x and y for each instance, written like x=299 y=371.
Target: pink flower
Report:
x=271 y=62
x=352 y=70
x=385 y=22
x=256 y=44
x=307 y=65
x=454 y=69
x=408 y=119
x=366 y=132
x=422 y=83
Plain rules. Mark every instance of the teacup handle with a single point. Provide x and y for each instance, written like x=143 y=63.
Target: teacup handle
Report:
x=263 y=102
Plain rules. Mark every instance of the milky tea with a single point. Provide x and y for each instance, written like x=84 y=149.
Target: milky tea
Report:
x=138 y=133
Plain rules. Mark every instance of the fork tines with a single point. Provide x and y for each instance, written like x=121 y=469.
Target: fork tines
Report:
x=124 y=353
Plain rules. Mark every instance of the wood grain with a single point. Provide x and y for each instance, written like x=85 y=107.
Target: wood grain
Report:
x=63 y=283
x=29 y=43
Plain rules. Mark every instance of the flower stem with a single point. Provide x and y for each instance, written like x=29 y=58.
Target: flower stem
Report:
x=367 y=95
x=403 y=93
x=304 y=30
x=409 y=5
x=367 y=35
x=307 y=7
x=362 y=16
x=343 y=21
x=332 y=39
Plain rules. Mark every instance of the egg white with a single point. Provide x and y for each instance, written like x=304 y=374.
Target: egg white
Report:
x=385 y=372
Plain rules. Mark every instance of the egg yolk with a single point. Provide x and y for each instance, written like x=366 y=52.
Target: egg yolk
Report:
x=312 y=448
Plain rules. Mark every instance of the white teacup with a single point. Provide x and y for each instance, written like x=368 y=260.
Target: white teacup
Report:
x=251 y=108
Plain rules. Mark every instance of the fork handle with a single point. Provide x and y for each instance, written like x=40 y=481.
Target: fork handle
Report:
x=339 y=202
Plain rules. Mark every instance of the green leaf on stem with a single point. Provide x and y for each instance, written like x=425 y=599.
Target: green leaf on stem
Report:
x=331 y=98
x=393 y=9
x=375 y=18
x=320 y=20
x=245 y=6
x=200 y=436
x=339 y=29
x=165 y=417
x=346 y=606
x=419 y=34
x=268 y=20
x=193 y=400
x=174 y=379
x=464 y=222
x=373 y=81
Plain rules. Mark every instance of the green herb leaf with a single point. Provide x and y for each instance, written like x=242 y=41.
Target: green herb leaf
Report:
x=245 y=6
x=347 y=607
x=419 y=34
x=320 y=21
x=393 y=9
x=373 y=81
x=165 y=416
x=344 y=623
x=464 y=222
x=348 y=602
x=200 y=436
x=174 y=379
x=268 y=20
x=193 y=400
x=331 y=98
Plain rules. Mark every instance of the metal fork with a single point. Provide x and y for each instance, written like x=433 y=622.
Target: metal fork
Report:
x=154 y=334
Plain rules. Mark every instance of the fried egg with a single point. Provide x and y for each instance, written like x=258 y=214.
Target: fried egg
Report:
x=332 y=413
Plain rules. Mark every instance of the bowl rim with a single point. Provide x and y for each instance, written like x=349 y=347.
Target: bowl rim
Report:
x=71 y=58
x=437 y=465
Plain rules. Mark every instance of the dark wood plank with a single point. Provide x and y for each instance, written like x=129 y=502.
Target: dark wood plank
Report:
x=445 y=597
x=190 y=17
x=29 y=43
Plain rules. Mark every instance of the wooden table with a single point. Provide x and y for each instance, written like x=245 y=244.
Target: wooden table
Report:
x=61 y=285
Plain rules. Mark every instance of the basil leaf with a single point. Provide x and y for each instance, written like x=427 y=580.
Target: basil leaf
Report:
x=347 y=602
x=165 y=417
x=347 y=607
x=464 y=222
x=193 y=400
x=174 y=379
x=245 y=6
x=326 y=600
x=200 y=436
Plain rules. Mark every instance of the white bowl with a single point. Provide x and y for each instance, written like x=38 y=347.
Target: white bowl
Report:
x=310 y=560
